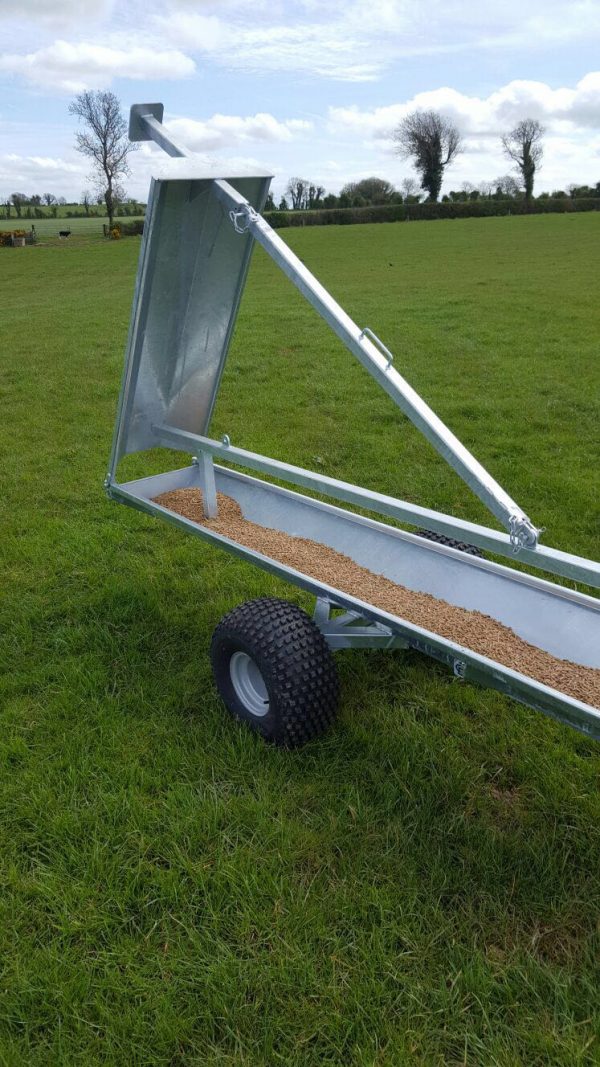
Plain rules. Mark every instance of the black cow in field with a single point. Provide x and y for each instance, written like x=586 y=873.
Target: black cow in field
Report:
x=64 y=233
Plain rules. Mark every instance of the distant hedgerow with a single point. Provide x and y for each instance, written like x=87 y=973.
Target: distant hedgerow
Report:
x=344 y=216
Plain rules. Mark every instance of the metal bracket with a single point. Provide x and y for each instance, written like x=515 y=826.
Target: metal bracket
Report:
x=523 y=534
x=145 y=124
x=247 y=215
x=138 y=131
x=351 y=630
x=377 y=341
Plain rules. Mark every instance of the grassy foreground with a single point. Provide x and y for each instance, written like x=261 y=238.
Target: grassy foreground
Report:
x=423 y=885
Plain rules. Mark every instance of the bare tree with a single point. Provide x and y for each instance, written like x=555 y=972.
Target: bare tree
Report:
x=119 y=196
x=487 y=189
x=303 y=194
x=315 y=195
x=507 y=185
x=297 y=190
x=48 y=199
x=524 y=146
x=432 y=142
x=409 y=187
x=85 y=200
x=105 y=142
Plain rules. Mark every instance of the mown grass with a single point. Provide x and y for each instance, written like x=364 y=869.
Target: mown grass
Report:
x=421 y=886
x=49 y=227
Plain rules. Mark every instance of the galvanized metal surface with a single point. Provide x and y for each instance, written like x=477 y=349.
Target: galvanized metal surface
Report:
x=195 y=252
x=348 y=630
x=146 y=123
x=138 y=123
x=563 y=622
x=210 y=488
x=543 y=558
x=190 y=279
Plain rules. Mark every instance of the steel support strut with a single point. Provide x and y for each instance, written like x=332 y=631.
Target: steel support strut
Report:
x=145 y=124
x=350 y=629
x=379 y=364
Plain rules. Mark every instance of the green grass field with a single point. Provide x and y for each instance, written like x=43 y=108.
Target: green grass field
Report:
x=422 y=886
x=45 y=228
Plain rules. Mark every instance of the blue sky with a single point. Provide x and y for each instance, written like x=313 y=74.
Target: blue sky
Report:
x=309 y=87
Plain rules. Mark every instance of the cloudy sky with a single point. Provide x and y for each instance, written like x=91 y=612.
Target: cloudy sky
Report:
x=304 y=87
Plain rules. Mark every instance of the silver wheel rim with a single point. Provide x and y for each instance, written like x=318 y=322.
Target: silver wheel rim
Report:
x=248 y=683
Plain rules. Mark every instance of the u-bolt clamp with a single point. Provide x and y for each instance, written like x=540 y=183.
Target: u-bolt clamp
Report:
x=523 y=534
x=242 y=218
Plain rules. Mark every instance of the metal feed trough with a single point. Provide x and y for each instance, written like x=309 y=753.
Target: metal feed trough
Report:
x=272 y=663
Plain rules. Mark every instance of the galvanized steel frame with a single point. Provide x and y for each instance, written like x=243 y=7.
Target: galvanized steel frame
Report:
x=551 y=560
x=465 y=664
x=522 y=540
x=361 y=624
x=145 y=124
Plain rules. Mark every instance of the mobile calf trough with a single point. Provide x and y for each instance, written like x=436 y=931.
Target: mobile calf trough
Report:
x=273 y=664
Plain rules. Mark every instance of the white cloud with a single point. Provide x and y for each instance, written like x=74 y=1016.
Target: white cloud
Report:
x=356 y=42
x=74 y=67
x=569 y=115
x=37 y=174
x=225 y=131
x=352 y=42
x=58 y=12
x=327 y=50
x=483 y=117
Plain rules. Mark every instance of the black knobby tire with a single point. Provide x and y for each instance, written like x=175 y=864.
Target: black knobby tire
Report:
x=294 y=662
x=451 y=542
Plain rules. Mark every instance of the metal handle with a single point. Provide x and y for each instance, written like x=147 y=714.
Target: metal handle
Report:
x=377 y=340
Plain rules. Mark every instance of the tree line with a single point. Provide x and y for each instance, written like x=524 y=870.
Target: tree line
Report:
x=377 y=192
x=432 y=142
x=426 y=137
x=47 y=205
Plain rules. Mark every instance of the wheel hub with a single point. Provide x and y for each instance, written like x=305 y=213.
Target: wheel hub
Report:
x=249 y=684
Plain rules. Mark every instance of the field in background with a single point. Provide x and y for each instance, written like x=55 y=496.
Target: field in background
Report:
x=422 y=886
x=50 y=227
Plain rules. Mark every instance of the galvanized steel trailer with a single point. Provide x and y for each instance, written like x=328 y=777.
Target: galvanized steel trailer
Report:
x=272 y=663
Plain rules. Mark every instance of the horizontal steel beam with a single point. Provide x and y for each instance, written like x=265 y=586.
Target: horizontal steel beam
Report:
x=551 y=560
